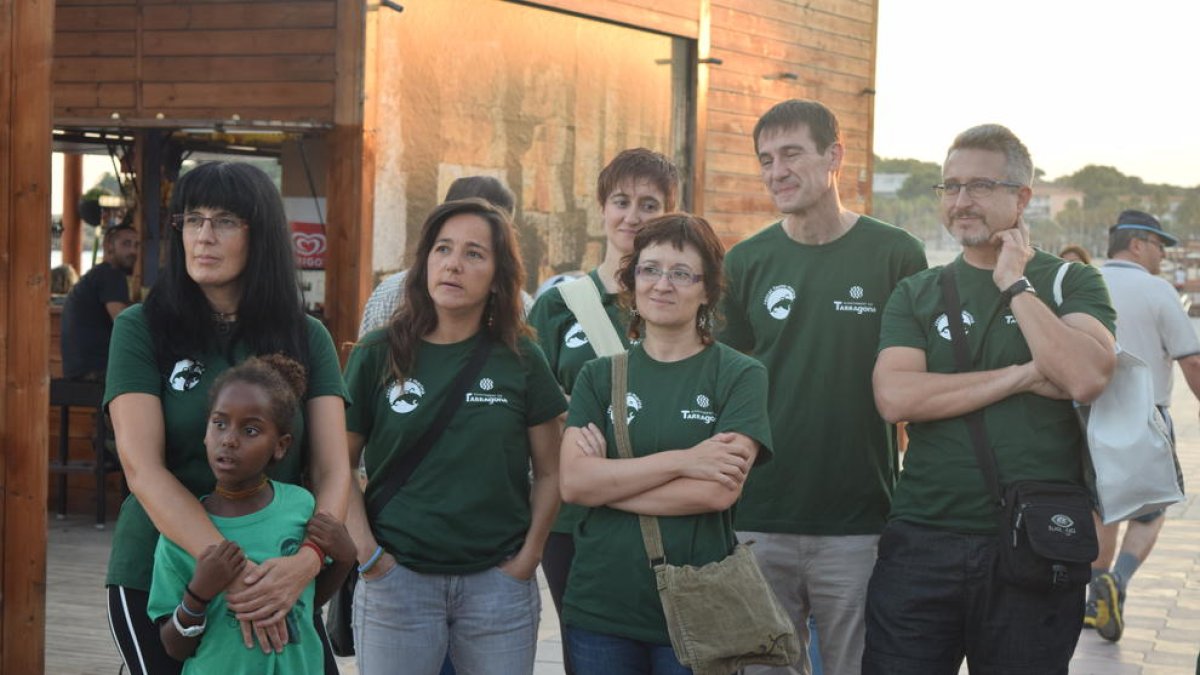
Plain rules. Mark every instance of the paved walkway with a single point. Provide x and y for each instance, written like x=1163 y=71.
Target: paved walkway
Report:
x=1162 y=631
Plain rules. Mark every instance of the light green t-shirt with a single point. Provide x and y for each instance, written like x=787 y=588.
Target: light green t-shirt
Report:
x=567 y=348
x=811 y=314
x=1033 y=437
x=466 y=507
x=672 y=406
x=184 y=395
x=275 y=531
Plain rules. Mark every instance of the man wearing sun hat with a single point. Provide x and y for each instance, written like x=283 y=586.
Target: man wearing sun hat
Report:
x=1151 y=325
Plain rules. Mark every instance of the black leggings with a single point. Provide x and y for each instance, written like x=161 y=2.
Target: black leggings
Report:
x=138 y=640
x=556 y=563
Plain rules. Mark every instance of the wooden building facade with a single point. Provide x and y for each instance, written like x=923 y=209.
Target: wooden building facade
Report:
x=386 y=103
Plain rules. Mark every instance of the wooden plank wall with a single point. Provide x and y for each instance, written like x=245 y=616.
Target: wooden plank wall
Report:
x=26 y=35
x=194 y=59
x=829 y=45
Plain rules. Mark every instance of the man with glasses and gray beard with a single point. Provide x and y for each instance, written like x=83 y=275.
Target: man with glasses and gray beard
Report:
x=934 y=595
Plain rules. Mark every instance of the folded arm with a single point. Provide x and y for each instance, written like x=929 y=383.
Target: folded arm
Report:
x=1075 y=352
x=690 y=496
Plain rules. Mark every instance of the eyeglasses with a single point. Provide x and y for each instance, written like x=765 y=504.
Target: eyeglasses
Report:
x=976 y=189
x=677 y=276
x=192 y=223
x=1156 y=241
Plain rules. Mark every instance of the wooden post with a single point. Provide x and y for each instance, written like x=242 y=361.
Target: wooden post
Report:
x=350 y=182
x=700 y=149
x=26 y=40
x=72 y=237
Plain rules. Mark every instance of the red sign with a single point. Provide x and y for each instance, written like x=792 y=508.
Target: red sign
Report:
x=308 y=242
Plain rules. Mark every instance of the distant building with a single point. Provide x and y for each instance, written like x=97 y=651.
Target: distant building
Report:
x=888 y=184
x=1049 y=200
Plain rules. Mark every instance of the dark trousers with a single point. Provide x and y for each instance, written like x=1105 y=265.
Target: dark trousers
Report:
x=556 y=564
x=933 y=600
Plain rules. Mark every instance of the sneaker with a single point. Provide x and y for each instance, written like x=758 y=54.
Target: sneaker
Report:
x=1089 y=614
x=1109 y=622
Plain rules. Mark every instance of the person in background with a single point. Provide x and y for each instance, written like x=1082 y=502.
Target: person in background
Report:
x=62 y=279
x=94 y=303
x=385 y=299
x=635 y=187
x=1075 y=253
x=1151 y=325
x=229 y=291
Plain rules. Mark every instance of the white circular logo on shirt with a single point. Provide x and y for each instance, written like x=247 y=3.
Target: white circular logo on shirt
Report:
x=486 y=384
x=186 y=374
x=856 y=292
x=702 y=401
x=943 y=324
x=576 y=338
x=779 y=301
x=405 y=398
x=633 y=404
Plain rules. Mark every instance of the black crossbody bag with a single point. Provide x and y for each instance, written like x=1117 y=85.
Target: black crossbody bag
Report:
x=1047 y=539
x=337 y=622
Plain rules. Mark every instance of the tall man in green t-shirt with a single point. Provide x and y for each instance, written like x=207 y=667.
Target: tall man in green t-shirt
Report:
x=805 y=298
x=933 y=597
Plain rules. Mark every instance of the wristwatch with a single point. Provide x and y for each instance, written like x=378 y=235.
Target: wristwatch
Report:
x=188 y=631
x=1019 y=286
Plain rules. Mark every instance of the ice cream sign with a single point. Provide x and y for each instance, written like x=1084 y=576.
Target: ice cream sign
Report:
x=308 y=241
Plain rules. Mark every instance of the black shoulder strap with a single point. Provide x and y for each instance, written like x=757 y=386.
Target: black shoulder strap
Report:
x=962 y=359
x=394 y=477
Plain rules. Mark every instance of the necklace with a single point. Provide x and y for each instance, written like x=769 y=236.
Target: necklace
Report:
x=224 y=322
x=234 y=495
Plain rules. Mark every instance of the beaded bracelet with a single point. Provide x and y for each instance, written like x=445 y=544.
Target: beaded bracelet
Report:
x=366 y=567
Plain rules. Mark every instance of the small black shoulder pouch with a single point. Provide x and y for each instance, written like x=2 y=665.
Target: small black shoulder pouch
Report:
x=1046 y=539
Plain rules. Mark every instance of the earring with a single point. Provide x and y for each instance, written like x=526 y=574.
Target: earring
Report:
x=704 y=318
x=491 y=309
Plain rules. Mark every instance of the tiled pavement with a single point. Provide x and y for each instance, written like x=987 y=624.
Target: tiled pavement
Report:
x=1162 y=631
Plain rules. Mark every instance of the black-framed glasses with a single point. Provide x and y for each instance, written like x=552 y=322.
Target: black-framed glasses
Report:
x=677 y=276
x=192 y=223
x=976 y=189
x=1162 y=246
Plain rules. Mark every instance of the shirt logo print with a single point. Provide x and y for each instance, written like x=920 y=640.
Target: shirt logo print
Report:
x=633 y=405
x=942 y=324
x=404 y=398
x=575 y=337
x=705 y=416
x=856 y=292
x=186 y=374
x=486 y=384
x=779 y=301
x=855 y=305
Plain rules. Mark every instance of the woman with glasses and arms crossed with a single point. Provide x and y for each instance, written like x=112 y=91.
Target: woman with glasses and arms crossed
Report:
x=448 y=561
x=229 y=291
x=636 y=186
x=697 y=420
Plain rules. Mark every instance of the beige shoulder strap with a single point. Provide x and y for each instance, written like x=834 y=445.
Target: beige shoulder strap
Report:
x=651 y=535
x=584 y=301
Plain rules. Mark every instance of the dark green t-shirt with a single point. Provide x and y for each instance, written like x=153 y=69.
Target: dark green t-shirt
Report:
x=567 y=348
x=811 y=314
x=671 y=406
x=466 y=507
x=1033 y=437
x=184 y=396
x=274 y=531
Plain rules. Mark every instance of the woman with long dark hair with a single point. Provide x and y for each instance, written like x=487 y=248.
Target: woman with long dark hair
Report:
x=448 y=561
x=229 y=291
x=697 y=422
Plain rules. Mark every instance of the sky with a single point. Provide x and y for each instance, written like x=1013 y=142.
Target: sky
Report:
x=1106 y=82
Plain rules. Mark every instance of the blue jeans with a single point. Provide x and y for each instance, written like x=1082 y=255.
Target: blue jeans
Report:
x=933 y=600
x=406 y=621
x=602 y=654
